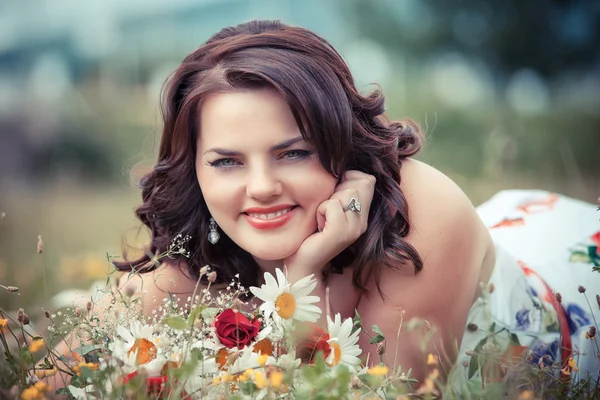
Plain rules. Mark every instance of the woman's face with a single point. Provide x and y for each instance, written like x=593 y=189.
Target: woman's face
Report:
x=261 y=181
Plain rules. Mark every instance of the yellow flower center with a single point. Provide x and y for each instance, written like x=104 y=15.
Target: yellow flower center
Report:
x=146 y=351
x=337 y=353
x=286 y=305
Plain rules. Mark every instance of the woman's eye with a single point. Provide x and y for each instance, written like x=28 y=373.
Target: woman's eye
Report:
x=223 y=163
x=296 y=154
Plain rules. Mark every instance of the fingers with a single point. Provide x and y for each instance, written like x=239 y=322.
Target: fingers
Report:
x=346 y=224
x=330 y=213
x=352 y=175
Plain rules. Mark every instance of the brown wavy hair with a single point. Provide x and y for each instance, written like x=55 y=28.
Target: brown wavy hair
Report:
x=349 y=131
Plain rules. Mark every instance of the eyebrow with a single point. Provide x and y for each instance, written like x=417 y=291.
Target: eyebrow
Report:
x=277 y=147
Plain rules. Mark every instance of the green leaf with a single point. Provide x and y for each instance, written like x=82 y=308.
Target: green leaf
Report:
x=377 y=330
x=579 y=257
x=83 y=350
x=514 y=339
x=86 y=372
x=594 y=256
x=178 y=323
x=195 y=314
x=357 y=320
x=376 y=339
x=474 y=363
x=64 y=391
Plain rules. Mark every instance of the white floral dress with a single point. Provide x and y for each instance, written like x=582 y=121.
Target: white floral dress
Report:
x=545 y=244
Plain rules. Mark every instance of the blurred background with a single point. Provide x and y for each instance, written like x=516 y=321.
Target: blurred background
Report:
x=508 y=93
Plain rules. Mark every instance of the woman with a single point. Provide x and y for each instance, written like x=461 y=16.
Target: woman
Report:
x=267 y=142
x=270 y=158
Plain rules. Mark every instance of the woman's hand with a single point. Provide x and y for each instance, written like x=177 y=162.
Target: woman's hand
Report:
x=338 y=228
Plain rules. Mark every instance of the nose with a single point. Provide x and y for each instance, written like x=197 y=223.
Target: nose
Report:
x=263 y=184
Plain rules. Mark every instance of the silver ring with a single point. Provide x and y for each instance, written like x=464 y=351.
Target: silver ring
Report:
x=354 y=205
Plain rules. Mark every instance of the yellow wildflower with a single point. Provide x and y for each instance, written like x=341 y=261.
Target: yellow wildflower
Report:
x=378 y=370
x=36 y=392
x=432 y=360
x=92 y=366
x=3 y=324
x=276 y=379
x=37 y=345
x=248 y=373
x=260 y=380
x=262 y=359
x=44 y=373
x=570 y=367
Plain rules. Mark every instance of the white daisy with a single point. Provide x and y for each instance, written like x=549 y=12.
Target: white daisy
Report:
x=288 y=361
x=136 y=347
x=285 y=302
x=245 y=359
x=84 y=393
x=343 y=342
x=201 y=376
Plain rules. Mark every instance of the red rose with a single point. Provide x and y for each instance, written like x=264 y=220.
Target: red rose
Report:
x=312 y=343
x=235 y=330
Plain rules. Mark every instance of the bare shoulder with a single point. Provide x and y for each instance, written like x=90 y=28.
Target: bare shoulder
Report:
x=165 y=282
x=454 y=246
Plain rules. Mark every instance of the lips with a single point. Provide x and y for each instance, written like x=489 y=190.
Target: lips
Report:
x=269 y=217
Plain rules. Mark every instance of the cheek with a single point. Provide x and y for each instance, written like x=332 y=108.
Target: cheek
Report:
x=318 y=186
x=218 y=193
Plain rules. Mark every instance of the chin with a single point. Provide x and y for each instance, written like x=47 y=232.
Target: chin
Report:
x=271 y=251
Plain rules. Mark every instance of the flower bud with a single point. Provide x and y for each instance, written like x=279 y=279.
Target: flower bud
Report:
x=465 y=363
x=558 y=297
x=598 y=300
x=581 y=289
x=40 y=245
x=380 y=348
x=212 y=276
x=12 y=289
x=88 y=306
x=46 y=313
x=469 y=353
x=591 y=332
x=472 y=327
x=20 y=315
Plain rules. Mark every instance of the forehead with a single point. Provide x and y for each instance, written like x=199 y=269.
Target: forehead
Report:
x=233 y=116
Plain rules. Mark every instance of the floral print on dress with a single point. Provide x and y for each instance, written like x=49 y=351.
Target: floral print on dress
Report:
x=589 y=254
x=577 y=317
x=533 y=204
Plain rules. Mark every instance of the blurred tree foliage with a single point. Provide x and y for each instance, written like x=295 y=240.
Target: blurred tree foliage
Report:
x=548 y=36
x=556 y=39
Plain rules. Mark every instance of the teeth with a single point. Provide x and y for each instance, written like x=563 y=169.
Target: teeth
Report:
x=270 y=215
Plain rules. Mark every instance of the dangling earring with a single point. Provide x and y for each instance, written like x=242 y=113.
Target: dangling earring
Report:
x=213 y=235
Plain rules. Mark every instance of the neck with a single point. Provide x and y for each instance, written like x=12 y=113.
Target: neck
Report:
x=267 y=266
